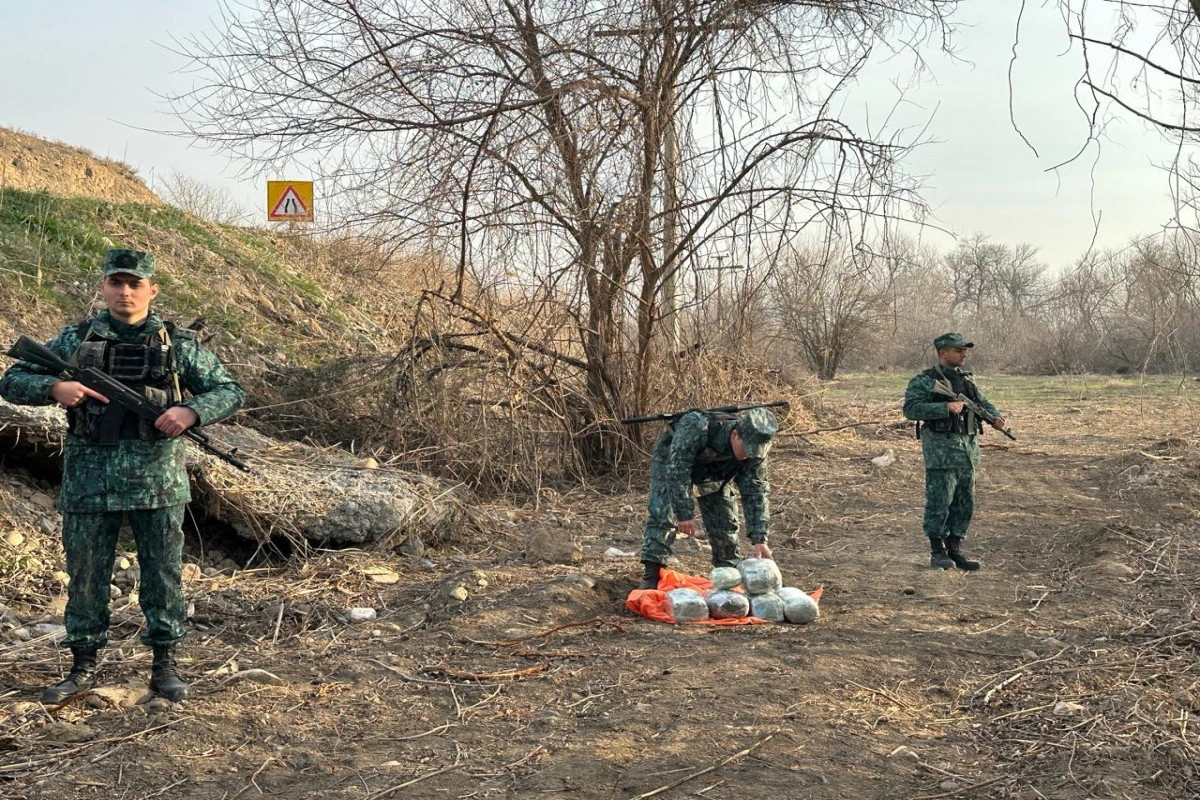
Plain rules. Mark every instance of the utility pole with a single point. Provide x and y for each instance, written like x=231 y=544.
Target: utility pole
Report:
x=669 y=287
x=670 y=283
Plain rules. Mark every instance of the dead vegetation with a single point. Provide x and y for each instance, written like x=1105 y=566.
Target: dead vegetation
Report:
x=1066 y=669
x=35 y=165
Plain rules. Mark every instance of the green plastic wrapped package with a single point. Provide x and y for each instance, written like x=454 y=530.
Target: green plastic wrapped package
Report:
x=725 y=577
x=798 y=607
x=686 y=605
x=760 y=575
x=724 y=604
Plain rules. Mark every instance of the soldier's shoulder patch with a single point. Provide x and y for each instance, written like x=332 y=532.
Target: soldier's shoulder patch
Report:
x=177 y=331
x=77 y=329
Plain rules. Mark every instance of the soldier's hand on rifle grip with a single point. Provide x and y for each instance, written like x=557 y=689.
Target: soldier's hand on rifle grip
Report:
x=71 y=393
x=999 y=424
x=176 y=419
x=955 y=407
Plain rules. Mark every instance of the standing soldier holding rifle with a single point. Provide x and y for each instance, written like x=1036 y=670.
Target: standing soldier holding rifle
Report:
x=120 y=462
x=950 y=411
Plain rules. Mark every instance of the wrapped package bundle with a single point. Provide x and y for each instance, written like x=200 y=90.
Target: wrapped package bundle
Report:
x=798 y=607
x=724 y=604
x=767 y=606
x=686 y=605
x=760 y=575
x=725 y=577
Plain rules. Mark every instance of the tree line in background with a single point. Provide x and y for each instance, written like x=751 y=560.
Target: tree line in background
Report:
x=646 y=204
x=1131 y=310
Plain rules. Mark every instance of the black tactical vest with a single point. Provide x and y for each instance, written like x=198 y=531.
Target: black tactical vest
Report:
x=148 y=367
x=964 y=422
x=710 y=465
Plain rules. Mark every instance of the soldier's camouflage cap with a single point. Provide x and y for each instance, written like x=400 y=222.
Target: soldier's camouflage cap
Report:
x=951 y=340
x=757 y=427
x=130 y=262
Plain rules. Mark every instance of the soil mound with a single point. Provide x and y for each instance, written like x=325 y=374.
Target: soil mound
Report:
x=36 y=165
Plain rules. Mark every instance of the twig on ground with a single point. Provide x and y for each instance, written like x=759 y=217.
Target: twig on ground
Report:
x=962 y=790
x=883 y=694
x=706 y=770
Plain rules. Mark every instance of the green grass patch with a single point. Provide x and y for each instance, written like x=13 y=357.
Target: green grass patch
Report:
x=1024 y=390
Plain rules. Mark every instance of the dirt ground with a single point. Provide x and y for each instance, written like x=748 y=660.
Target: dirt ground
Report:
x=1069 y=667
x=33 y=164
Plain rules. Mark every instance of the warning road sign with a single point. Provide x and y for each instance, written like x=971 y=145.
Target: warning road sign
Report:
x=290 y=201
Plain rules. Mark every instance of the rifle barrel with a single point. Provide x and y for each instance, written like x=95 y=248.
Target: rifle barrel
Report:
x=719 y=409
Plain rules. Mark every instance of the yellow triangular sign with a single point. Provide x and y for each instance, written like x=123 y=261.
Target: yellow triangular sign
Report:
x=290 y=206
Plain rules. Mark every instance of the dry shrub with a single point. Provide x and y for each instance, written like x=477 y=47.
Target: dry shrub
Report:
x=495 y=395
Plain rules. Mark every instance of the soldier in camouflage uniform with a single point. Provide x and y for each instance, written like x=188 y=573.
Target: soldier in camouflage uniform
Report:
x=710 y=451
x=118 y=467
x=948 y=442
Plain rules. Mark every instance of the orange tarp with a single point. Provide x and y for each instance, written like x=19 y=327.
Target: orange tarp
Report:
x=652 y=603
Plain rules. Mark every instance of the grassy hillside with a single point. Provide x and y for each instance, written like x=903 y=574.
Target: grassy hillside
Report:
x=282 y=296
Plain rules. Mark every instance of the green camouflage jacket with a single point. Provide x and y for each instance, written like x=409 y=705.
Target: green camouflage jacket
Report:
x=693 y=458
x=942 y=450
x=134 y=473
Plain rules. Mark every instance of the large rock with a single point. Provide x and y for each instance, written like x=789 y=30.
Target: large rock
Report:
x=322 y=495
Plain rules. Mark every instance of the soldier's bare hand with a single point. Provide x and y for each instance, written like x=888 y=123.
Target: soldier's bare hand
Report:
x=176 y=419
x=73 y=393
x=999 y=424
x=955 y=407
x=687 y=527
x=762 y=551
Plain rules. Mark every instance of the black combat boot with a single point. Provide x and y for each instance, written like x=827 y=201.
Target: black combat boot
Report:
x=81 y=678
x=954 y=551
x=650 y=576
x=164 y=675
x=938 y=557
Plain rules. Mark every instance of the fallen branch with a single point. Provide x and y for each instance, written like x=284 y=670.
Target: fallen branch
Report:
x=407 y=783
x=885 y=695
x=585 y=623
x=706 y=770
x=963 y=790
x=511 y=674
x=838 y=427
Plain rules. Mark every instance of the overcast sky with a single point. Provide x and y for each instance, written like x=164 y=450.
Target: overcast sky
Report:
x=89 y=73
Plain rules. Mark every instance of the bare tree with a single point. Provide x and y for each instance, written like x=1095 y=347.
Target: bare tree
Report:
x=984 y=273
x=526 y=138
x=200 y=199
x=828 y=300
x=1141 y=58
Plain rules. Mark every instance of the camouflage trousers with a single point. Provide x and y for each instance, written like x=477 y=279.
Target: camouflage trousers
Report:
x=718 y=510
x=90 y=542
x=949 y=501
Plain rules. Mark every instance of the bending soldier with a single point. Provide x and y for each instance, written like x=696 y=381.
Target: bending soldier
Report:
x=117 y=466
x=709 y=450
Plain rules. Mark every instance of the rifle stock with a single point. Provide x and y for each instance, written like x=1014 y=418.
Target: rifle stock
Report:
x=947 y=391
x=721 y=409
x=34 y=352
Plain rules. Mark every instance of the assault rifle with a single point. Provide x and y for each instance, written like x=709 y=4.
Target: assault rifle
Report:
x=945 y=390
x=722 y=410
x=35 y=352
